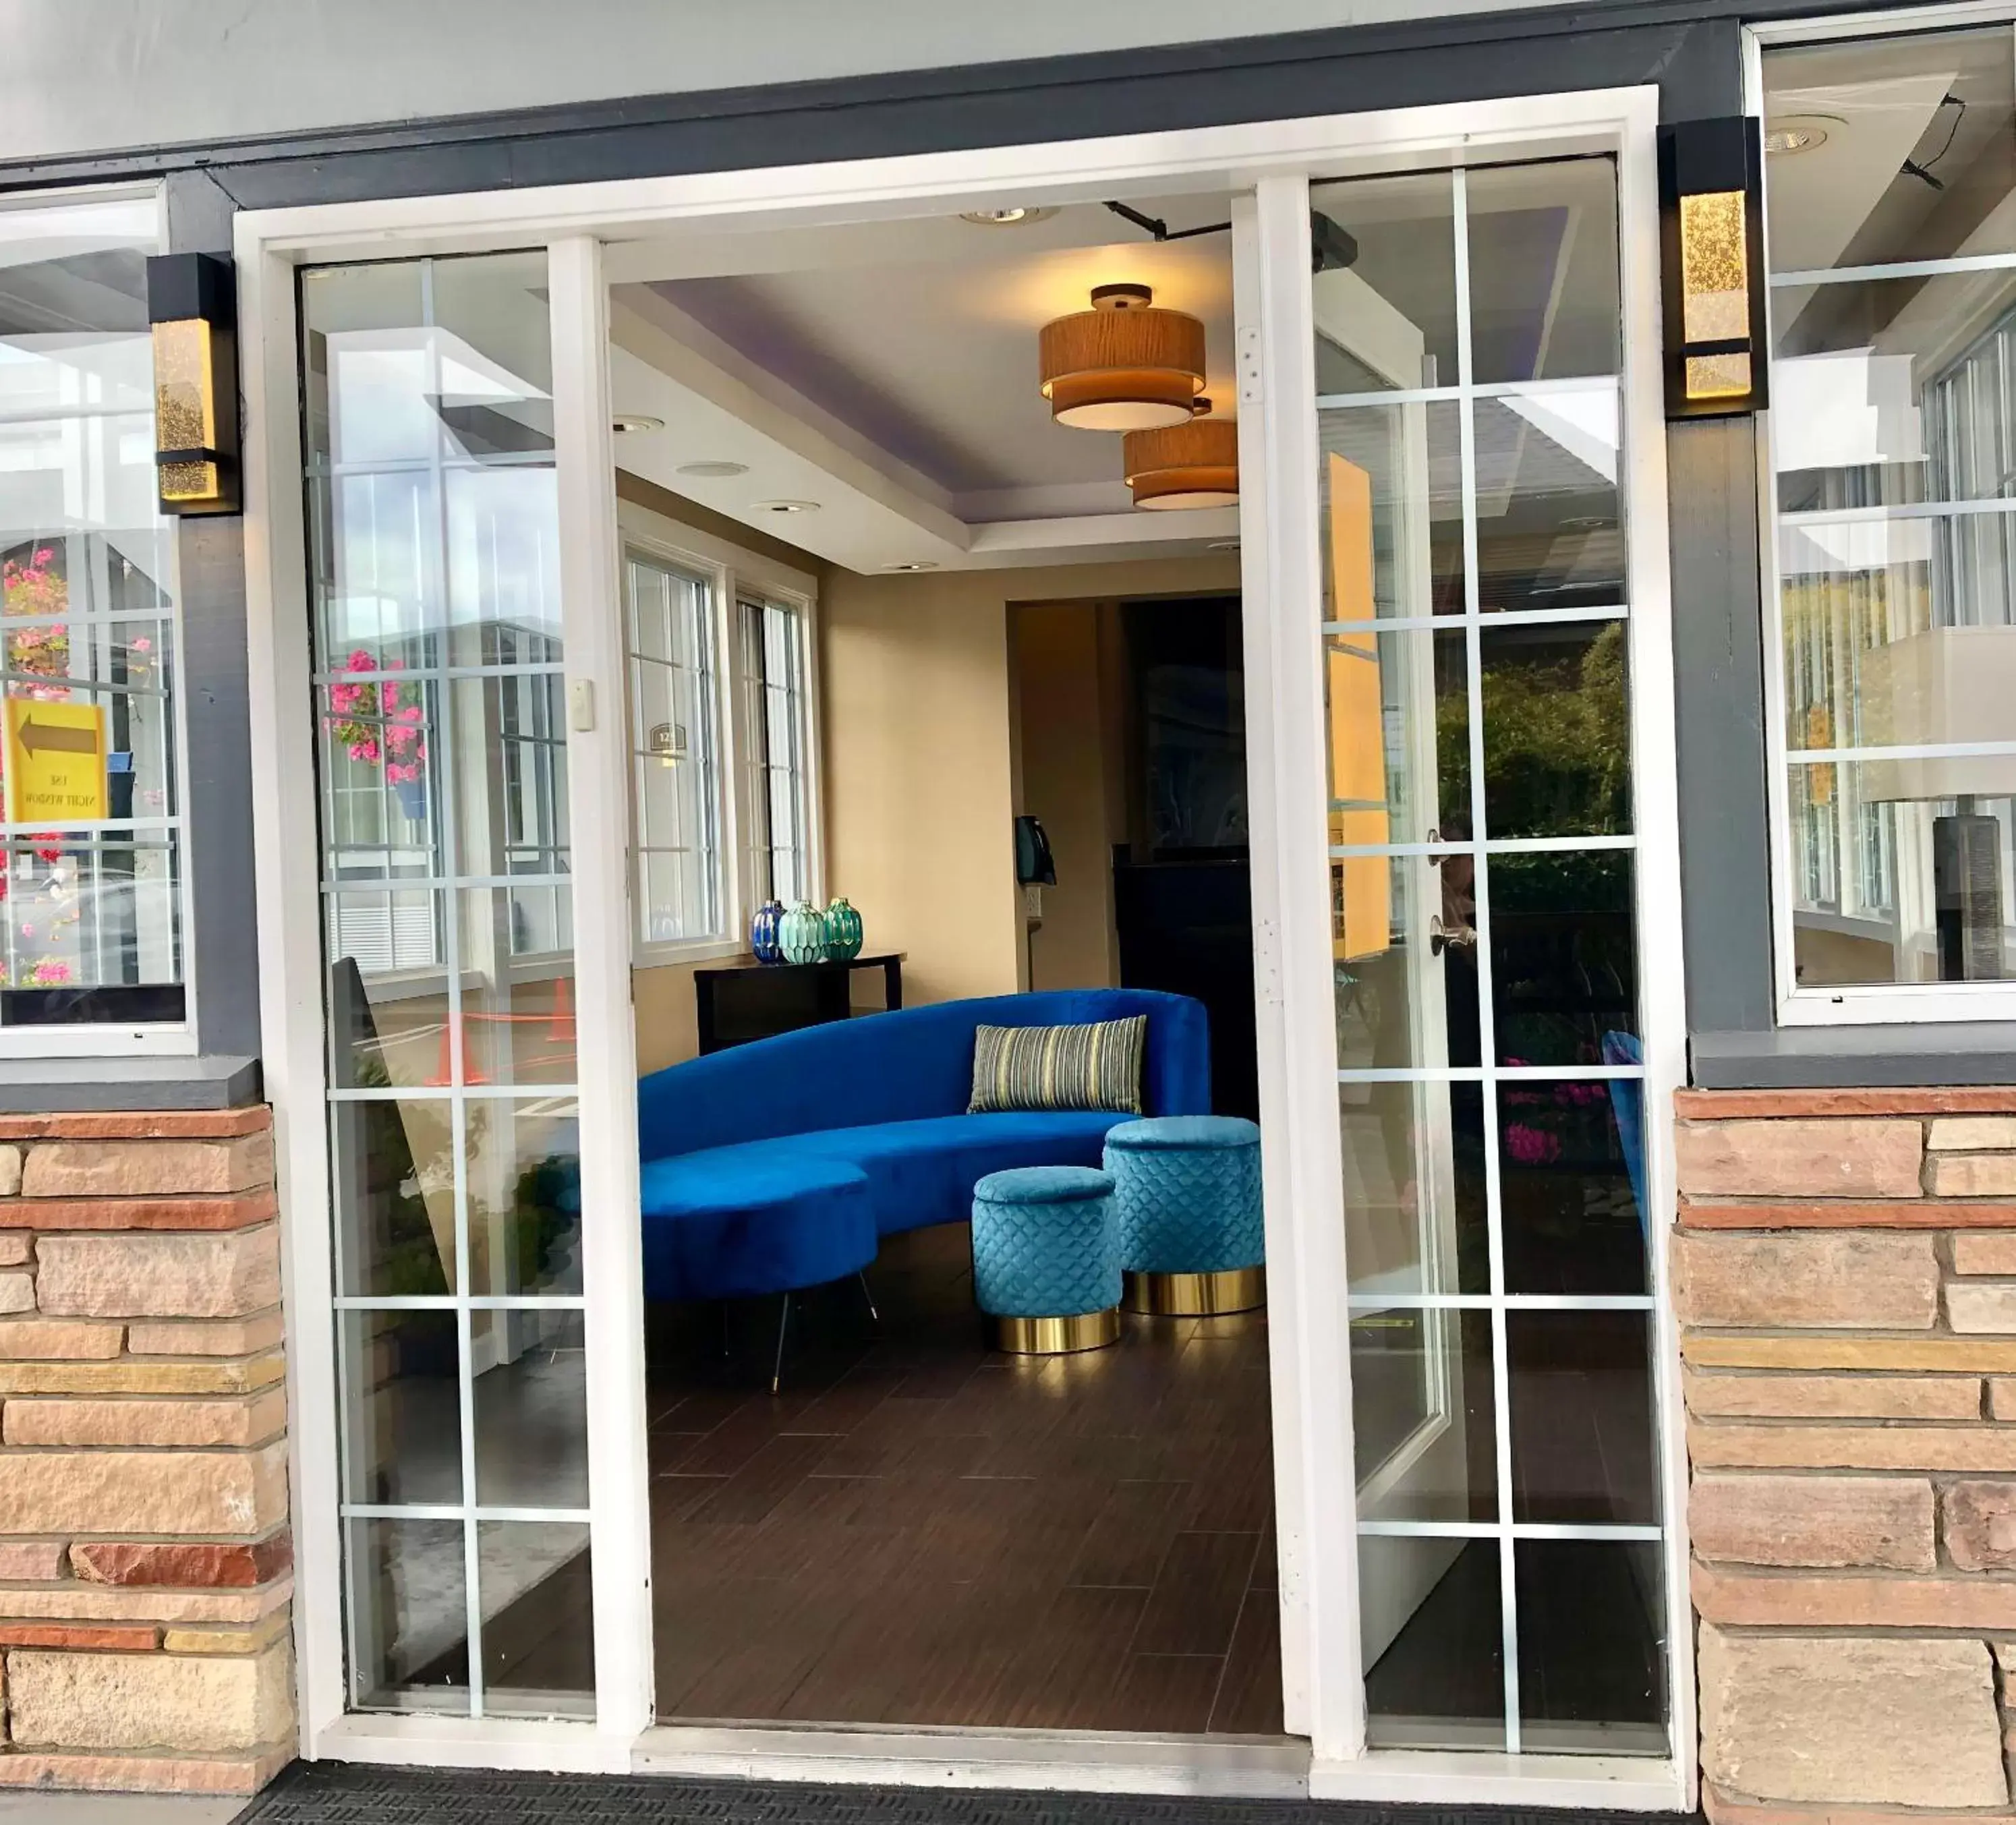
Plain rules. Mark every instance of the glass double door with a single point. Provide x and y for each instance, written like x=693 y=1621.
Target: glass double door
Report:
x=1476 y=645
x=1480 y=984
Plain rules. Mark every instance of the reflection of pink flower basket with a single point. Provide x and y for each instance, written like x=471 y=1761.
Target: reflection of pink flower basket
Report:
x=373 y=725
x=1532 y=1146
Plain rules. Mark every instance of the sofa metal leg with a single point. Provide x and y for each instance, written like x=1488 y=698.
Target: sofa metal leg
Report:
x=875 y=1315
x=783 y=1324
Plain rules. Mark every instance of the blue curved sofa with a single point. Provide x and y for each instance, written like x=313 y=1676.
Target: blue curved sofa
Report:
x=775 y=1165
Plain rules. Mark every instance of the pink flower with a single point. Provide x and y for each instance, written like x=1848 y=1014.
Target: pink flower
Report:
x=140 y=643
x=51 y=970
x=1532 y=1146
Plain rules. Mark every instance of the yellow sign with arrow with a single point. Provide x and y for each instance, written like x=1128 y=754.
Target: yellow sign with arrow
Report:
x=55 y=761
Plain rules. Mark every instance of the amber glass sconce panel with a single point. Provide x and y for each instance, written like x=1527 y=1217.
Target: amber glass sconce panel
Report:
x=1709 y=193
x=191 y=313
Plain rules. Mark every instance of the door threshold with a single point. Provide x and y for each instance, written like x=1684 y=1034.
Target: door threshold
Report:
x=1081 y=1761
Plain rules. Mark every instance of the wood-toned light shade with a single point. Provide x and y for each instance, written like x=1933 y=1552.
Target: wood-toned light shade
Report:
x=1123 y=365
x=1195 y=464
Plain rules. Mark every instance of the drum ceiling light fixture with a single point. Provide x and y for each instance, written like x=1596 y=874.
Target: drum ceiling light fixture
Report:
x=1123 y=365
x=1195 y=464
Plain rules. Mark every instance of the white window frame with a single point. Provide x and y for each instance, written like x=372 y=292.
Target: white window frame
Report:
x=750 y=738
x=1266 y=164
x=1841 y=1004
x=733 y=573
x=153 y=1038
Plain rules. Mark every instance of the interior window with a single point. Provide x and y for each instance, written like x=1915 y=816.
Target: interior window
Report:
x=680 y=896
x=774 y=712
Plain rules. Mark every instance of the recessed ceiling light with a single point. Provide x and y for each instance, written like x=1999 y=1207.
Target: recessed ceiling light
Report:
x=1798 y=133
x=914 y=564
x=714 y=471
x=1013 y=217
x=630 y=421
x=787 y=507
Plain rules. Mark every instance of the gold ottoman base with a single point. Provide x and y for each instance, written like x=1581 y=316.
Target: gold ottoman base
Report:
x=1233 y=1289
x=1054 y=1336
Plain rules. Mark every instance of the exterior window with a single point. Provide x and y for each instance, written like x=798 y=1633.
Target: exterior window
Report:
x=1891 y=208
x=91 y=826
x=680 y=895
x=775 y=741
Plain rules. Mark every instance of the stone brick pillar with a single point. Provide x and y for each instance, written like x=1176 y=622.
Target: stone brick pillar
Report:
x=1844 y=1271
x=145 y=1559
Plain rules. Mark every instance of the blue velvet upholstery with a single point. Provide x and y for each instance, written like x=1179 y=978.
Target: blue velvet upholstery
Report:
x=1186 y=1198
x=1044 y=1244
x=743 y=1149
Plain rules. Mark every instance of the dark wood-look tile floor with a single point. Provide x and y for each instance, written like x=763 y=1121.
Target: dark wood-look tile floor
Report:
x=916 y=1530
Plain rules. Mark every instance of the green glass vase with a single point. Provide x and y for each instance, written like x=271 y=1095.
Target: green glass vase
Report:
x=842 y=931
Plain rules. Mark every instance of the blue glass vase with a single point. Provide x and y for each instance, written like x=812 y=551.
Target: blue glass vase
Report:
x=763 y=933
x=842 y=931
x=801 y=933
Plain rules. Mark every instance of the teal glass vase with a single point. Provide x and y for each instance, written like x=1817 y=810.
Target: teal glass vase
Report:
x=842 y=931
x=801 y=933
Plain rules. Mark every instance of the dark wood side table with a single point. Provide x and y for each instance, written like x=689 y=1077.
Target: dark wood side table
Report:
x=743 y=1002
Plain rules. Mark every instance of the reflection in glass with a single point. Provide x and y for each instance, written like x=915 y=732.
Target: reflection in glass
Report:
x=1439 y=1683
x=1581 y=1390
x=1836 y=114
x=381 y=763
x=538 y=1631
x=395 y=1173
x=1870 y=405
x=1412 y=999
x=1900 y=876
x=1571 y=1167
x=1591 y=1647
x=1563 y=957
x=442 y=744
x=402 y=1408
x=1549 y=530
x=1414 y=1188
x=1899 y=635
x=90 y=885
x=517 y=996
x=532 y=1410
x=522 y=1175
x=1397 y=706
x=1556 y=730
x=1392 y=509
x=1543 y=275
x=1389 y=320
x=1424 y=1423
x=409 y=1615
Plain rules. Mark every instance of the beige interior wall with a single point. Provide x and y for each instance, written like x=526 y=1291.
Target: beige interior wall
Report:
x=1066 y=751
x=661 y=1000
x=917 y=700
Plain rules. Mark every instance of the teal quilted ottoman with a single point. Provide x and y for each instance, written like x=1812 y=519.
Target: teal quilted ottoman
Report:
x=1046 y=1259
x=1186 y=1190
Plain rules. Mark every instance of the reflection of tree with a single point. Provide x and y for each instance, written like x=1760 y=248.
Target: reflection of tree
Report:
x=1556 y=741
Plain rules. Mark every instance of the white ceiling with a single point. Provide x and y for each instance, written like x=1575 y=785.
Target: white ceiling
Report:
x=888 y=373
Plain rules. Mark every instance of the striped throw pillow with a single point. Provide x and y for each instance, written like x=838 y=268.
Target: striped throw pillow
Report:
x=1092 y=1066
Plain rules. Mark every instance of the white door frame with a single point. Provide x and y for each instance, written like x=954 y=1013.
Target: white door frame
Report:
x=1270 y=162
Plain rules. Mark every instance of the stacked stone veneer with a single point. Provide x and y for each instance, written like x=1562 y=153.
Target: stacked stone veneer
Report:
x=1845 y=1274
x=144 y=1554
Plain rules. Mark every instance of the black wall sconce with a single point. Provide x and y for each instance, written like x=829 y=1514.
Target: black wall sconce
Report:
x=192 y=306
x=1712 y=234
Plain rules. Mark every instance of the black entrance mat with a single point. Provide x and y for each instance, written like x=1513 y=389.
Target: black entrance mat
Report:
x=335 y=1794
